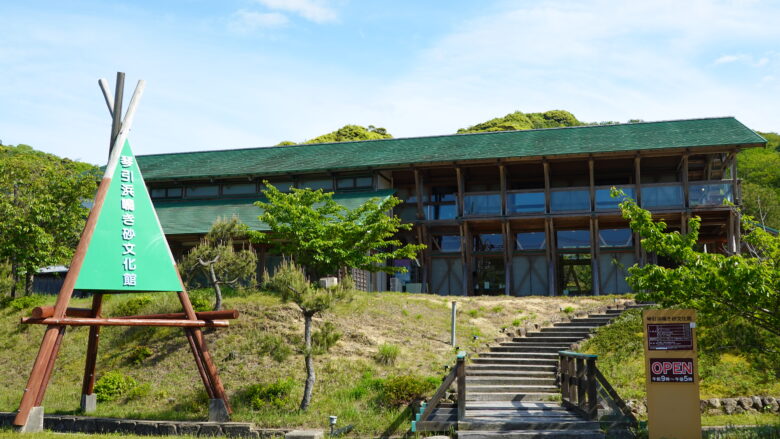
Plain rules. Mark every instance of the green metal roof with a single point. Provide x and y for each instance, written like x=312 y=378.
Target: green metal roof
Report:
x=197 y=216
x=449 y=148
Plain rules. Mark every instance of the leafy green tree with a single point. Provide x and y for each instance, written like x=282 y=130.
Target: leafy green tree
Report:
x=326 y=237
x=291 y=284
x=42 y=209
x=218 y=261
x=347 y=133
x=762 y=203
x=525 y=121
x=746 y=285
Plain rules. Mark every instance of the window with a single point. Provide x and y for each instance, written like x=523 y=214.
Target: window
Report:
x=326 y=184
x=442 y=203
x=530 y=241
x=488 y=242
x=162 y=193
x=202 y=191
x=446 y=243
x=282 y=186
x=239 y=189
x=359 y=182
x=615 y=238
x=573 y=238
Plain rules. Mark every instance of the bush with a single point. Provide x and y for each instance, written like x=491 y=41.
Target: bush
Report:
x=132 y=306
x=387 y=354
x=275 y=347
x=402 y=390
x=325 y=338
x=201 y=301
x=139 y=354
x=568 y=310
x=113 y=385
x=26 y=302
x=273 y=395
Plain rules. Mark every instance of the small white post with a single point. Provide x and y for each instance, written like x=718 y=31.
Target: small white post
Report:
x=452 y=325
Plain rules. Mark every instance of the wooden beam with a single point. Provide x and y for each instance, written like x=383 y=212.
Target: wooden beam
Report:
x=43 y=312
x=594 y=256
x=684 y=177
x=80 y=321
x=116 y=111
x=508 y=247
x=546 y=166
x=553 y=287
x=419 y=194
x=88 y=384
x=592 y=184
x=461 y=190
x=735 y=184
x=638 y=179
x=464 y=258
x=502 y=176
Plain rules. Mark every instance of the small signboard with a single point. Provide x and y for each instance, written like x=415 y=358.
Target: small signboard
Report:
x=671 y=374
x=669 y=337
x=671 y=370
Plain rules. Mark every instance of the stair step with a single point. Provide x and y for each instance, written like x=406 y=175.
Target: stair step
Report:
x=513 y=405
x=533 y=434
x=564 y=330
x=529 y=423
x=547 y=338
x=498 y=360
x=511 y=373
x=512 y=396
x=510 y=368
x=512 y=388
x=531 y=349
x=511 y=381
x=536 y=343
x=561 y=413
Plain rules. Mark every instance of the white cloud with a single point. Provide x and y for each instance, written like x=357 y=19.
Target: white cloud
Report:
x=725 y=59
x=312 y=10
x=244 y=21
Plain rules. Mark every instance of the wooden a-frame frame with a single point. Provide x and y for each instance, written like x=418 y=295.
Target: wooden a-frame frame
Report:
x=57 y=318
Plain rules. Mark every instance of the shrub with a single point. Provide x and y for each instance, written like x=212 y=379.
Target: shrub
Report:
x=402 y=390
x=132 y=306
x=113 y=385
x=568 y=309
x=27 y=302
x=387 y=354
x=200 y=301
x=139 y=354
x=497 y=309
x=274 y=395
x=325 y=338
x=517 y=322
x=473 y=313
x=275 y=347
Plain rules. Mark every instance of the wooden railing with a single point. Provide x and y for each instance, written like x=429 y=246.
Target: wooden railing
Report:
x=580 y=381
x=457 y=374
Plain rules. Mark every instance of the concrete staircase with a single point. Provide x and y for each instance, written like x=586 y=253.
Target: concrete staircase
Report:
x=511 y=391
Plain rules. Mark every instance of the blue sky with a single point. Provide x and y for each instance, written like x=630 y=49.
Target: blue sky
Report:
x=246 y=73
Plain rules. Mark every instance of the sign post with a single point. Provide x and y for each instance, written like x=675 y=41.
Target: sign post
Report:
x=671 y=373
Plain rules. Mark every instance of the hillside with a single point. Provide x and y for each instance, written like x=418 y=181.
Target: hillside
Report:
x=349 y=377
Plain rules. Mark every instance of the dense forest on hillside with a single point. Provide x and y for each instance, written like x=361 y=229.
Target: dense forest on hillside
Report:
x=759 y=168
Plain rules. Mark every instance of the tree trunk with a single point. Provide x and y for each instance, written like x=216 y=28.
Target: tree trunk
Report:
x=217 y=290
x=14 y=277
x=28 y=282
x=307 y=317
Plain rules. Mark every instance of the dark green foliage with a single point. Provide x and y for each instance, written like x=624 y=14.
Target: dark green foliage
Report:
x=132 y=307
x=26 y=302
x=366 y=385
x=200 y=300
x=139 y=354
x=405 y=389
x=113 y=385
x=349 y=133
x=275 y=347
x=273 y=395
x=525 y=121
x=620 y=340
x=387 y=354
x=324 y=338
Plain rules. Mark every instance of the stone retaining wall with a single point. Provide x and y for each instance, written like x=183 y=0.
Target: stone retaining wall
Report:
x=84 y=424
x=723 y=406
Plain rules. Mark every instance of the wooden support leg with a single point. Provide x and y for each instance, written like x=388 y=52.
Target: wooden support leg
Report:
x=50 y=366
x=33 y=387
x=199 y=363
x=88 y=385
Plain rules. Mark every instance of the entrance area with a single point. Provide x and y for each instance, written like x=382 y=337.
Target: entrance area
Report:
x=575 y=274
x=490 y=276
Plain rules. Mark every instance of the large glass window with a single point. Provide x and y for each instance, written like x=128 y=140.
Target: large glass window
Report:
x=615 y=238
x=281 y=186
x=573 y=238
x=239 y=189
x=710 y=194
x=326 y=184
x=442 y=203
x=482 y=204
x=604 y=200
x=662 y=196
x=569 y=200
x=488 y=242
x=530 y=241
x=202 y=191
x=347 y=183
x=525 y=202
x=446 y=243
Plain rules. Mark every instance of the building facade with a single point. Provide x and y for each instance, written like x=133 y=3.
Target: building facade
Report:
x=510 y=213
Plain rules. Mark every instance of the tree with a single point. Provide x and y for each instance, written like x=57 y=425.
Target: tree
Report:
x=720 y=285
x=347 y=133
x=525 y=121
x=325 y=237
x=42 y=209
x=291 y=284
x=217 y=259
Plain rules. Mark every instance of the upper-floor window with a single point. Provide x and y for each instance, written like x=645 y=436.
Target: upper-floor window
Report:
x=615 y=238
x=530 y=241
x=170 y=192
x=488 y=242
x=239 y=189
x=355 y=182
x=326 y=184
x=446 y=243
x=282 y=186
x=573 y=238
x=205 y=191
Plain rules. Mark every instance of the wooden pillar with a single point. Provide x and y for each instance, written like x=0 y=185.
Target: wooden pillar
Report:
x=464 y=255
x=735 y=183
x=552 y=269
x=420 y=229
x=730 y=235
x=418 y=191
x=461 y=190
x=546 y=165
x=638 y=179
x=684 y=178
x=594 y=256
x=592 y=183
x=508 y=248
x=88 y=384
x=502 y=176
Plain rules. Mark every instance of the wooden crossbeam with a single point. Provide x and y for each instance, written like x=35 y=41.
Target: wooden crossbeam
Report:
x=42 y=312
x=82 y=321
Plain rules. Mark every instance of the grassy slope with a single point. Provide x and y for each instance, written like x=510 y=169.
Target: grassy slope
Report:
x=621 y=359
x=418 y=324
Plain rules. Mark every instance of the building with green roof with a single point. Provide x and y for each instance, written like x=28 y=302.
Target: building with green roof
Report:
x=510 y=212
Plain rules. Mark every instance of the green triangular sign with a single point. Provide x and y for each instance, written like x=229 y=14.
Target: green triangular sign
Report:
x=128 y=251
